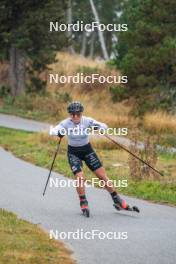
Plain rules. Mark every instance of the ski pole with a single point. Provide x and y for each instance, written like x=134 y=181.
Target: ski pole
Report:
x=52 y=166
x=134 y=155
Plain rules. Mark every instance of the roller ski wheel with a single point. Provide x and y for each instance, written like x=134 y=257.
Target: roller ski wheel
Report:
x=135 y=209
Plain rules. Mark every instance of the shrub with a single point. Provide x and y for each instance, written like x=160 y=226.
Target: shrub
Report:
x=118 y=93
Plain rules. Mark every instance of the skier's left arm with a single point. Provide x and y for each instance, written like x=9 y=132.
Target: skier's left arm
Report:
x=96 y=124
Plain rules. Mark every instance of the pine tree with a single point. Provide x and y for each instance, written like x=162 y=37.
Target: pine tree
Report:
x=25 y=40
x=147 y=51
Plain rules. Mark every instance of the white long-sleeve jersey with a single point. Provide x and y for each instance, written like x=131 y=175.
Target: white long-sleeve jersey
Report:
x=78 y=134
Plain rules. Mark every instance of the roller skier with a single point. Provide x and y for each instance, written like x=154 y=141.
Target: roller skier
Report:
x=80 y=149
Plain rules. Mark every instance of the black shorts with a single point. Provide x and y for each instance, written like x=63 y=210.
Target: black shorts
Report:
x=84 y=153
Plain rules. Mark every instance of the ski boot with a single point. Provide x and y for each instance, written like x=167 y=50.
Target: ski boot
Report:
x=84 y=207
x=120 y=204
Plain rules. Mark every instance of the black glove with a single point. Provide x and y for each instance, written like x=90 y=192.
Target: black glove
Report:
x=96 y=127
x=60 y=135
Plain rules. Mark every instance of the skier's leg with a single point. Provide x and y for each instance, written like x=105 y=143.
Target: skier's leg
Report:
x=80 y=183
x=118 y=202
x=81 y=191
x=76 y=167
x=101 y=174
x=95 y=165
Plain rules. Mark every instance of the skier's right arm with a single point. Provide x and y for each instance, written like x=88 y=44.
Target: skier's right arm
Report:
x=58 y=130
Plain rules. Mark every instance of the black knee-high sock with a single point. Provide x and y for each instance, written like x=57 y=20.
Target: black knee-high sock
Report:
x=83 y=198
x=115 y=197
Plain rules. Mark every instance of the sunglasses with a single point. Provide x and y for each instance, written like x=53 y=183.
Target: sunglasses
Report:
x=76 y=114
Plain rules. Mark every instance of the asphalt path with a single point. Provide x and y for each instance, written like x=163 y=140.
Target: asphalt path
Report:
x=151 y=235
x=16 y=122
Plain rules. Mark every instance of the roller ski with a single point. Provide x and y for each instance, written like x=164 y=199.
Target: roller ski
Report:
x=84 y=207
x=120 y=204
x=127 y=208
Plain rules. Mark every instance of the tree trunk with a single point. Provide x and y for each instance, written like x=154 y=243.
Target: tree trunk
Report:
x=92 y=43
x=83 y=48
x=69 y=21
x=17 y=71
x=100 y=33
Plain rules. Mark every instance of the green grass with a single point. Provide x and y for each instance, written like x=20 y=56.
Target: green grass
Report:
x=168 y=156
x=168 y=140
x=22 y=242
x=39 y=149
x=22 y=112
x=39 y=107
